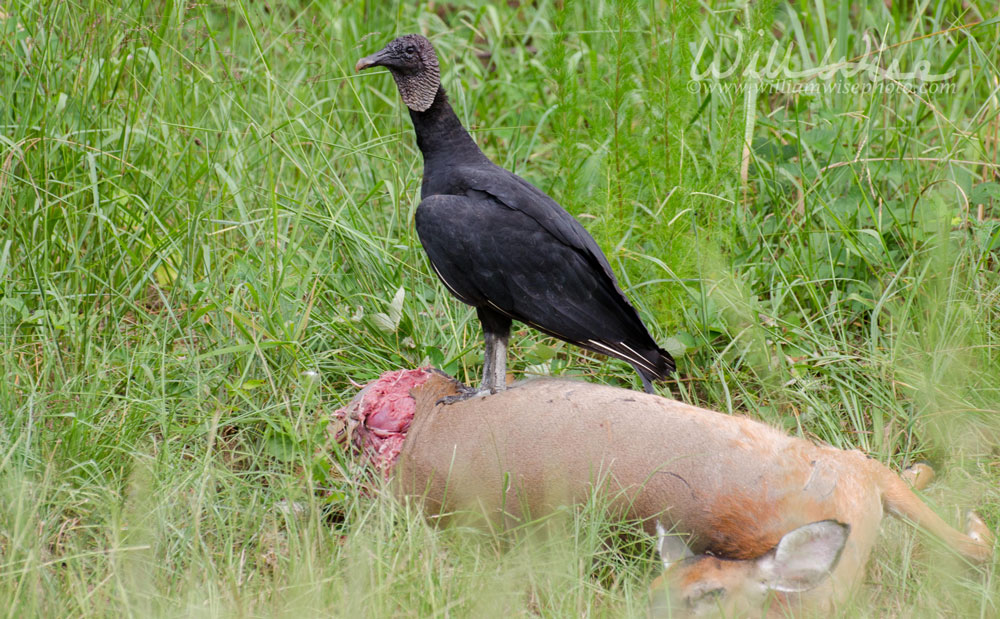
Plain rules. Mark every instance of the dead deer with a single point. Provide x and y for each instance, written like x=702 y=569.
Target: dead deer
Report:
x=769 y=516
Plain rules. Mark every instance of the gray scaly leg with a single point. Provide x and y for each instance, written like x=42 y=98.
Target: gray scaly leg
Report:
x=496 y=332
x=495 y=363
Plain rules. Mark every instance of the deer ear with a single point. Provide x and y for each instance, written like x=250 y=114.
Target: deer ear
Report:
x=671 y=548
x=804 y=557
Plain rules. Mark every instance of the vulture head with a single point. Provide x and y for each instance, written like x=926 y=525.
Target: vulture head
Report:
x=413 y=64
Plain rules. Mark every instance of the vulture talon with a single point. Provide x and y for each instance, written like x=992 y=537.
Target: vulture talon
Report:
x=465 y=393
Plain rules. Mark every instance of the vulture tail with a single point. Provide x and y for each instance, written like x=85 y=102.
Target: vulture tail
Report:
x=651 y=364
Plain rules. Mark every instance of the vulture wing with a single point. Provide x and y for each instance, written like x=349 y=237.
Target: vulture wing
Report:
x=502 y=243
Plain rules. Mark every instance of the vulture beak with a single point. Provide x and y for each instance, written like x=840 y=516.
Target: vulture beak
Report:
x=369 y=61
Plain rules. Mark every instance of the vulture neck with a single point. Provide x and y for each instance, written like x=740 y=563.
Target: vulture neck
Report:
x=440 y=133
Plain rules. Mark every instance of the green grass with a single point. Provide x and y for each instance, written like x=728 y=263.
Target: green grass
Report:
x=206 y=235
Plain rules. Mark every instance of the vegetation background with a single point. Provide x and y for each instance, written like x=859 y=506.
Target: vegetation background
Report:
x=206 y=236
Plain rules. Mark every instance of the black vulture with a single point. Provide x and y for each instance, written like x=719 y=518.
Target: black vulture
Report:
x=501 y=245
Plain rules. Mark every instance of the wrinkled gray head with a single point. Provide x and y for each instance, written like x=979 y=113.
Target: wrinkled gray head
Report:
x=413 y=64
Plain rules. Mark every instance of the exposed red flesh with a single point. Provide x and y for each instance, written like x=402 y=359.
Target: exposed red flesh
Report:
x=379 y=416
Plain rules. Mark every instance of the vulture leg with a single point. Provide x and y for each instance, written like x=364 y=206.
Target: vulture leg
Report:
x=496 y=331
